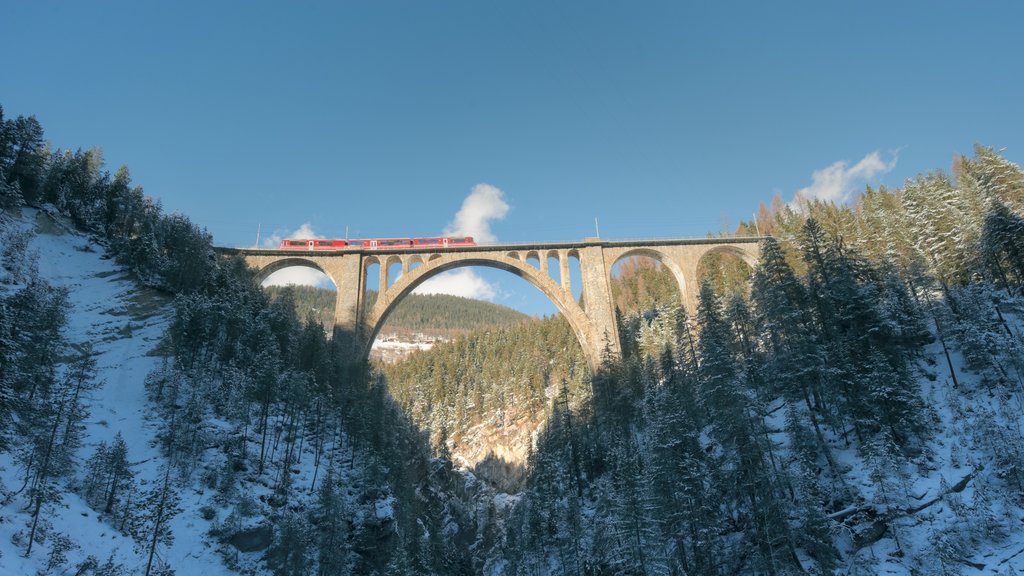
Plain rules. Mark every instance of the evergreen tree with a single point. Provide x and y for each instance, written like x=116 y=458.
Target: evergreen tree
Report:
x=288 y=556
x=331 y=520
x=108 y=477
x=1002 y=246
x=22 y=158
x=159 y=505
x=54 y=430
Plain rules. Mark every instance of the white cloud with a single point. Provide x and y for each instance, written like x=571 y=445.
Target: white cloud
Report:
x=296 y=275
x=463 y=282
x=484 y=204
x=838 y=181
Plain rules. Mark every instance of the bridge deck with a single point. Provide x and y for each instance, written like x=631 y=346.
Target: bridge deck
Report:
x=519 y=246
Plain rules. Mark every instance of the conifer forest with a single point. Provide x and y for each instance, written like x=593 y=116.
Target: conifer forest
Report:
x=852 y=405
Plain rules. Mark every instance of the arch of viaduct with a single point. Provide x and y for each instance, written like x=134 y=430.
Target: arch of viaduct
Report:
x=594 y=322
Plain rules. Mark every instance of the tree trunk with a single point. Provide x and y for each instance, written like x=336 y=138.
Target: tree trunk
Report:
x=159 y=519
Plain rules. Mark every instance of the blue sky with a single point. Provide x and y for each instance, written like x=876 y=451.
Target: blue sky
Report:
x=658 y=118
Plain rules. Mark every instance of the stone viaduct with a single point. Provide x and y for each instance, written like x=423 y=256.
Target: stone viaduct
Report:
x=593 y=321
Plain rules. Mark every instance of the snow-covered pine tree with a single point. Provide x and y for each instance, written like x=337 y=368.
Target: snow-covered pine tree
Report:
x=153 y=528
x=1002 y=246
x=109 y=477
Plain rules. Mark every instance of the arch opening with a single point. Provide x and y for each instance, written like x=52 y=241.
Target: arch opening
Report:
x=378 y=316
x=554 y=267
x=533 y=259
x=642 y=279
x=728 y=270
x=648 y=290
x=574 y=279
x=394 y=270
x=311 y=289
x=371 y=285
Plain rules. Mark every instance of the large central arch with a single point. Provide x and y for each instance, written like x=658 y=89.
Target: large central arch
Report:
x=388 y=299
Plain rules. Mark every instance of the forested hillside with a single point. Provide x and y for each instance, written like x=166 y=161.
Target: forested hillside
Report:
x=439 y=315
x=264 y=445
x=484 y=396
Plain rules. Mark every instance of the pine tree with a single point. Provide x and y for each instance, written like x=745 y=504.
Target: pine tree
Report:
x=288 y=556
x=23 y=158
x=998 y=179
x=108 y=476
x=331 y=520
x=55 y=435
x=1002 y=246
x=159 y=506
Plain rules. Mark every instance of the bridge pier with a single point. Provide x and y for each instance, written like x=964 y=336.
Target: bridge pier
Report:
x=598 y=303
x=346 y=274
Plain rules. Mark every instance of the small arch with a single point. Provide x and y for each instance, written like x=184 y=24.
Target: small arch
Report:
x=533 y=259
x=370 y=261
x=513 y=255
x=313 y=289
x=748 y=257
x=278 y=265
x=434 y=256
x=660 y=258
x=394 y=270
x=370 y=288
x=574 y=278
x=727 y=268
x=554 y=263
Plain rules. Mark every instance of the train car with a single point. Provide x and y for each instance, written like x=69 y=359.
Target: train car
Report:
x=385 y=243
x=444 y=242
x=313 y=244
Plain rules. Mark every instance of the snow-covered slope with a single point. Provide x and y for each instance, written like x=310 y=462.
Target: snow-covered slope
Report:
x=124 y=323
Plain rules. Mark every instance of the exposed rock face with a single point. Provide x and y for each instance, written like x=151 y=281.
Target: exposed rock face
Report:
x=496 y=450
x=252 y=539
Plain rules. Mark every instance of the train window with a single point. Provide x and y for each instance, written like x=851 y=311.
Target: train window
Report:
x=296 y=242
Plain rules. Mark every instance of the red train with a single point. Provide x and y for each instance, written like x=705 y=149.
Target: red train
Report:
x=376 y=243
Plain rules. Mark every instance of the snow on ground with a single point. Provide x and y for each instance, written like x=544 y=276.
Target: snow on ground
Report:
x=955 y=452
x=390 y=349
x=124 y=323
